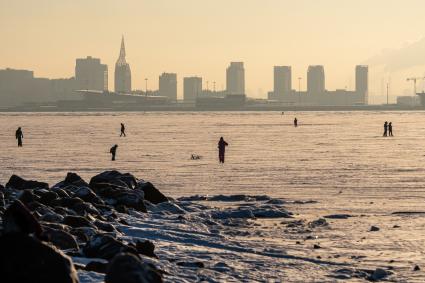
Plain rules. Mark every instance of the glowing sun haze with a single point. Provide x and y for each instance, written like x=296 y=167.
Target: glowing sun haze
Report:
x=201 y=37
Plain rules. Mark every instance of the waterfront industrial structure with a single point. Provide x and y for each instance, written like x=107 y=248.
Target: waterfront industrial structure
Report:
x=317 y=94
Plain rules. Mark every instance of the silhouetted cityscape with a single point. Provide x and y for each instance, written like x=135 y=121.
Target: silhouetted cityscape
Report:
x=89 y=87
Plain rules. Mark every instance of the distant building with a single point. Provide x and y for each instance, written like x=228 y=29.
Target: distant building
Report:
x=235 y=78
x=20 y=86
x=90 y=74
x=168 y=86
x=362 y=82
x=64 y=89
x=315 y=80
x=408 y=100
x=122 y=72
x=282 y=80
x=192 y=88
x=316 y=93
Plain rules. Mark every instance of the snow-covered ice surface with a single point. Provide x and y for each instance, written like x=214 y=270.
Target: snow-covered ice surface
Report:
x=334 y=163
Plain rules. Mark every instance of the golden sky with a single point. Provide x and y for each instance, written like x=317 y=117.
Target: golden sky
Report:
x=200 y=37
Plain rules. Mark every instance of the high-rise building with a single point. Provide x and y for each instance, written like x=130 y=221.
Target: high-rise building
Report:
x=315 y=80
x=192 y=87
x=168 y=86
x=122 y=72
x=362 y=82
x=90 y=74
x=235 y=78
x=282 y=80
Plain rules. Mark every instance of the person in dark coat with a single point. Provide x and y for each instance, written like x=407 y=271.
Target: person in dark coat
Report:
x=221 y=149
x=390 y=129
x=295 y=122
x=19 y=136
x=122 y=130
x=385 y=129
x=113 y=151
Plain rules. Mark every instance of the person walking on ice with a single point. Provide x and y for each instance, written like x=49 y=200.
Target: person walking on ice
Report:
x=113 y=151
x=221 y=149
x=122 y=130
x=19 y=136
x=385 y=129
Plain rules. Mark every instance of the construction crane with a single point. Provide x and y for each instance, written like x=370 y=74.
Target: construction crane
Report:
x=414 y=80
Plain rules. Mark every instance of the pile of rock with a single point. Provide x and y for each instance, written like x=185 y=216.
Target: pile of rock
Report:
x=42 y=225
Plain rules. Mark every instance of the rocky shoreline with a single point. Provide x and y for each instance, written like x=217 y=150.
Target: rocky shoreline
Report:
x=117 y=228
x=78 y=219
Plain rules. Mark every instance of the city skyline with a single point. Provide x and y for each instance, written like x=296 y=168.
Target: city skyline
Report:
x=162 y=36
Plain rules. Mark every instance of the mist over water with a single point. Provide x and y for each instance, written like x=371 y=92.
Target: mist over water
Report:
x=266 y=154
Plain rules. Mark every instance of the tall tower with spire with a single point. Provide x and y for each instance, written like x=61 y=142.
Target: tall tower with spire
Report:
x=122 y=72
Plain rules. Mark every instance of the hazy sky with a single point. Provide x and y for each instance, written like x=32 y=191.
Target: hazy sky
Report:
x=200 y=37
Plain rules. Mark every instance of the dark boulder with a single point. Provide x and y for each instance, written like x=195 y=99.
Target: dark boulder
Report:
x=32 y=206
x=71 y=179
x=85 y=208
x=105 y=246
x=131 y=200
x=122 y=208
x=191 y=264
x=64 y=211
x=77 y=221
x=83 y=233
x=104 y=226
x=108 y=190
x=26 y=259
x=70 y=202
x=18 y=183
x=127 y=268
x=62 y=193
x=61 y=239
x=49 y=198
x=96 y=266
x=114 y=178
x=85 y=193
x=151 y=193
x=51 y=217
x=2 y=201
x=57 y=226
x=379 y=274
x=18 y=219
x=146 y=248
x=75 y=179
x=28 y=196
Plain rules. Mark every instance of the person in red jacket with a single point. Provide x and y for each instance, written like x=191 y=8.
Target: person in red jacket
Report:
x=221 y=149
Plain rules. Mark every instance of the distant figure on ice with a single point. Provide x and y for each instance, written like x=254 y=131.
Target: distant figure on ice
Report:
x=295 y=122
x=221 y=149
x=122 y=130
x=390 y=129
x=19 y=136
x=385 y=129
x=113 y=151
